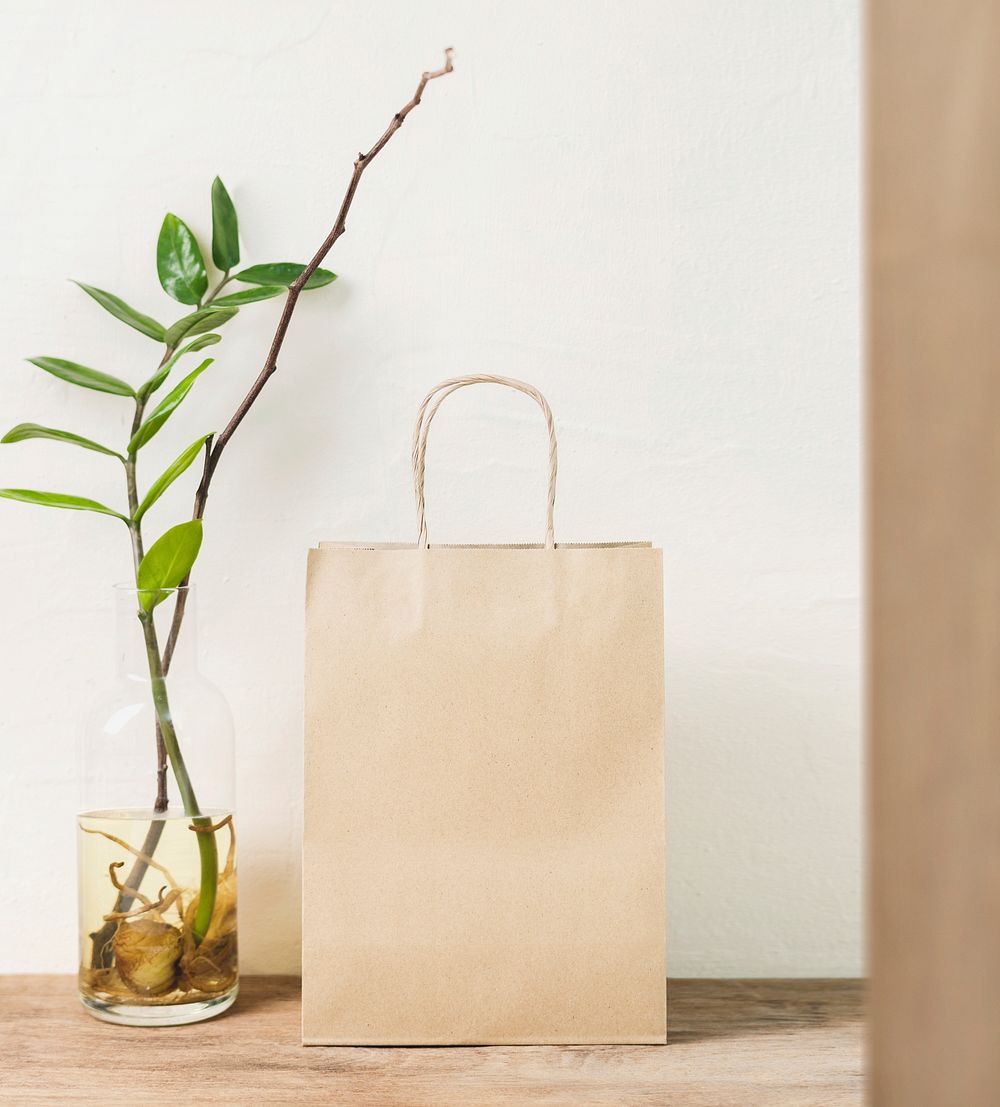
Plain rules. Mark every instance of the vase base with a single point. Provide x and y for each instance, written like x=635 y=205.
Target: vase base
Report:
x=174 y=1014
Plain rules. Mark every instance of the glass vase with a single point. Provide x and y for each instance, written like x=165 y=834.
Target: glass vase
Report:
x=157 y=843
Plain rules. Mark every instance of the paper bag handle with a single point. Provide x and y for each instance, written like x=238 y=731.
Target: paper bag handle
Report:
x=425 y=416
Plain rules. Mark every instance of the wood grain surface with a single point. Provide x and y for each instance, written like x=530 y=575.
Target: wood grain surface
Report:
x=751 y=1043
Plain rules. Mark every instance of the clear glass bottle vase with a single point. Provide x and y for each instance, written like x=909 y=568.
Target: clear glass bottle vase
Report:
x=157 y=844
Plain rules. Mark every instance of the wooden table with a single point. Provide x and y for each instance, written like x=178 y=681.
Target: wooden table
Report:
x=733 y=1043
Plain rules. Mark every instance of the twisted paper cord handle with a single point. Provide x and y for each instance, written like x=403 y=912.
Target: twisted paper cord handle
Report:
x=425 y=416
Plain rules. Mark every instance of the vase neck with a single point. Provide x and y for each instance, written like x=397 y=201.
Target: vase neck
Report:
x=140 y=634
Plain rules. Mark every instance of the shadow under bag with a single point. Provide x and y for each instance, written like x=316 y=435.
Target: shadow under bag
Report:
x=484 y=809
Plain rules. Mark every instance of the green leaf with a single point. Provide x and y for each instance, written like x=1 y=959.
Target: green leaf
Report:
x=168 y=562
x=201 y=342
x=179 y=263
x=163 y=372
x=57 y=499
x=250 y=295
x=169 y=475
x=23 y=431
x=165 y=408
x=225 y=229
x=120 y=310
x=81 y=375
x=283 y=273
x=199 y=321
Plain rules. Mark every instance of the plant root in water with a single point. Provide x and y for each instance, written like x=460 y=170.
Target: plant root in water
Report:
x=210 y=965
x=144 y=858
x=159 y=962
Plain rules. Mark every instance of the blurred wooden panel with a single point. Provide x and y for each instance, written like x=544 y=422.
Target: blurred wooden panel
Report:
x=934 y=415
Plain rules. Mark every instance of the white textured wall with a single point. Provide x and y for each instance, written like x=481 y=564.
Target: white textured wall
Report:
x=648 y=209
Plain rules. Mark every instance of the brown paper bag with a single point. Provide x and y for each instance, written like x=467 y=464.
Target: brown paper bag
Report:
x=484 y=811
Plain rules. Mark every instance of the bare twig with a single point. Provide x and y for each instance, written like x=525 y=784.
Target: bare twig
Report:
x=161 y=801
x=213 y=454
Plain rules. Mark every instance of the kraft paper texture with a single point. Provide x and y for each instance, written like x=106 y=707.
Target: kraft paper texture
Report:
x=484 y=806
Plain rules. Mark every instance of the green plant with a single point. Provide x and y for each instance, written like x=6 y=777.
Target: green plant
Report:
x=184 y=276
x=164 y=568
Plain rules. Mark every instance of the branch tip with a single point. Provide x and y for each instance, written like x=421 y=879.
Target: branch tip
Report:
x=449 y=54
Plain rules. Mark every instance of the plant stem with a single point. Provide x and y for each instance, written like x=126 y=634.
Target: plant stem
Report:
x=223 y=281
x=208 y=850
x=167 y=747
x=207 y=847
x=135 y=534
